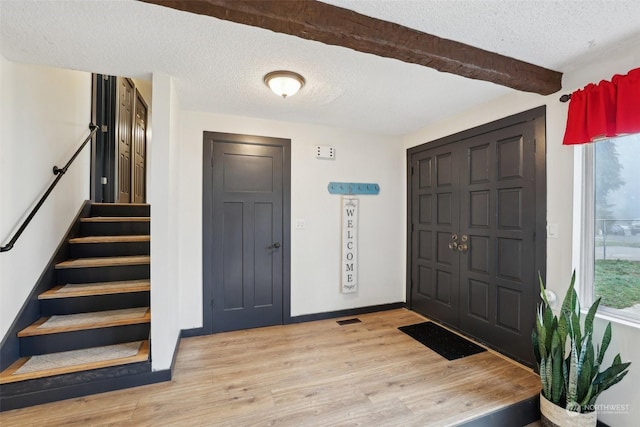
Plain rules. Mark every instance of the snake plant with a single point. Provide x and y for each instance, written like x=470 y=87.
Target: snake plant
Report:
x=567 y=361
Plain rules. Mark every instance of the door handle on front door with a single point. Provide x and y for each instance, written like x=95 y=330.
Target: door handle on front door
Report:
x=460 y=247
x=274 y=246
x=454 y=244
x=464 y=246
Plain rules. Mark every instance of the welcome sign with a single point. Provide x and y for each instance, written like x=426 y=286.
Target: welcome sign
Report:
x=349 y=264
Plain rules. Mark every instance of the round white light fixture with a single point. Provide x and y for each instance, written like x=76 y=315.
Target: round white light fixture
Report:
x=284 y=83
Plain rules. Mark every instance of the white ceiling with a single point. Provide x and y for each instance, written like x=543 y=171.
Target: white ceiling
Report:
x=219 y=65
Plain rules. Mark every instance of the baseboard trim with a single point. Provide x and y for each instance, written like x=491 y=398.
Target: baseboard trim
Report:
x=519 y=414
x=196 y=332
x=176 y=348
x=348 y=312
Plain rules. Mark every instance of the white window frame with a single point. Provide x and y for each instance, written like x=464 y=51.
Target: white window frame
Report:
x=584 y=235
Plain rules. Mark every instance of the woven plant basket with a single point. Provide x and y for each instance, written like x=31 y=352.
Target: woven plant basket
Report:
x=556 y=416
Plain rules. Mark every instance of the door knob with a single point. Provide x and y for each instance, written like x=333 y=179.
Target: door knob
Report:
x=275 y=246
x=453 y=245
x=463 y=247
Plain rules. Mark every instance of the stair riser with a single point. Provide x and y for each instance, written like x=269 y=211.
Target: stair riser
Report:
x=23 y=390
x=50 y=307
x=86 y=250
x=120 y=210
x=65 y=341
x=103 y=274
x=115 y=228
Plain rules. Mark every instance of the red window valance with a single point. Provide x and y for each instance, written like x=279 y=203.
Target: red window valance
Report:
x=604 y=110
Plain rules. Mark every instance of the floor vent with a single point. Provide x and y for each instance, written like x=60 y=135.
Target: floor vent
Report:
x=348 y=321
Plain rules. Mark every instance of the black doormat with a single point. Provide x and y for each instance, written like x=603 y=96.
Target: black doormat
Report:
x=445 y=343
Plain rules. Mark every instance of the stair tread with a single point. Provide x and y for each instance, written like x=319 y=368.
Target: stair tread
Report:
x=99 y=288
x=28 y=368
x=120 y=204
x=83 y=321
x=111 y=239
x=104 y=261
x=116 y=219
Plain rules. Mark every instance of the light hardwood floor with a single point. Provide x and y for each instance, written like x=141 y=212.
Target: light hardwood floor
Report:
x=309 y=374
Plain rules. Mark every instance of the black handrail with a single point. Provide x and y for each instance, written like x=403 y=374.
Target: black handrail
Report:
x=58 y=172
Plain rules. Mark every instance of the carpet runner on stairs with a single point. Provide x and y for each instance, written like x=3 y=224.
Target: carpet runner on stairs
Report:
x=83 y=321
x=75 y=361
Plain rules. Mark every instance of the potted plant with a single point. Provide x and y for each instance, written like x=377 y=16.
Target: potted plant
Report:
x=569 y=365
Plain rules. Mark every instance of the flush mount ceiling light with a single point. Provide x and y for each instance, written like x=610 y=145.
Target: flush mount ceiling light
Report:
x=284 y=83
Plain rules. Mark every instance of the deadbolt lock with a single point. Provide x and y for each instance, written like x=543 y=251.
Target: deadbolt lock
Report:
x=464 y=238
x=454 y=237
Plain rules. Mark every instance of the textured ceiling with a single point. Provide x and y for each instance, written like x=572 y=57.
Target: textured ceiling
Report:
x=219 y=65
x=549 y=33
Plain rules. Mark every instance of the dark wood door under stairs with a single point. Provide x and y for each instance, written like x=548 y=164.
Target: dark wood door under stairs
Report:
x=97 y=316
x=126 y=104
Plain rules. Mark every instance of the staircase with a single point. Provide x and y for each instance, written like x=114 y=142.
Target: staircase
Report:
x=94 y=325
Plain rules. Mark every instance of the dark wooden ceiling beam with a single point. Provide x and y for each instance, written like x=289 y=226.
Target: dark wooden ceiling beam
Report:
x=313 y=20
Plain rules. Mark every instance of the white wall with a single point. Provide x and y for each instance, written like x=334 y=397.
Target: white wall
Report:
x=162 y=187
x=315 y=250
x=626 y=339
x=45 y=116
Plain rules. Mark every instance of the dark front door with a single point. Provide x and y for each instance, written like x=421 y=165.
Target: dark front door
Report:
x=498 y=204
x=475 y=214
x=435 y=219
x=249 y=188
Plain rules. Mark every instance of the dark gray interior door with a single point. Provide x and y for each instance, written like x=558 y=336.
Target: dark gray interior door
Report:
x=248 y=236
x=476 y=210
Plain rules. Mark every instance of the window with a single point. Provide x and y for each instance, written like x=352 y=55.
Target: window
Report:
x=610 y=225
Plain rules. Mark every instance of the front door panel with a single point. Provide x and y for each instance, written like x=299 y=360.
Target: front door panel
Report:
x=435 y=215
x=497 y=277
x=473 y=236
